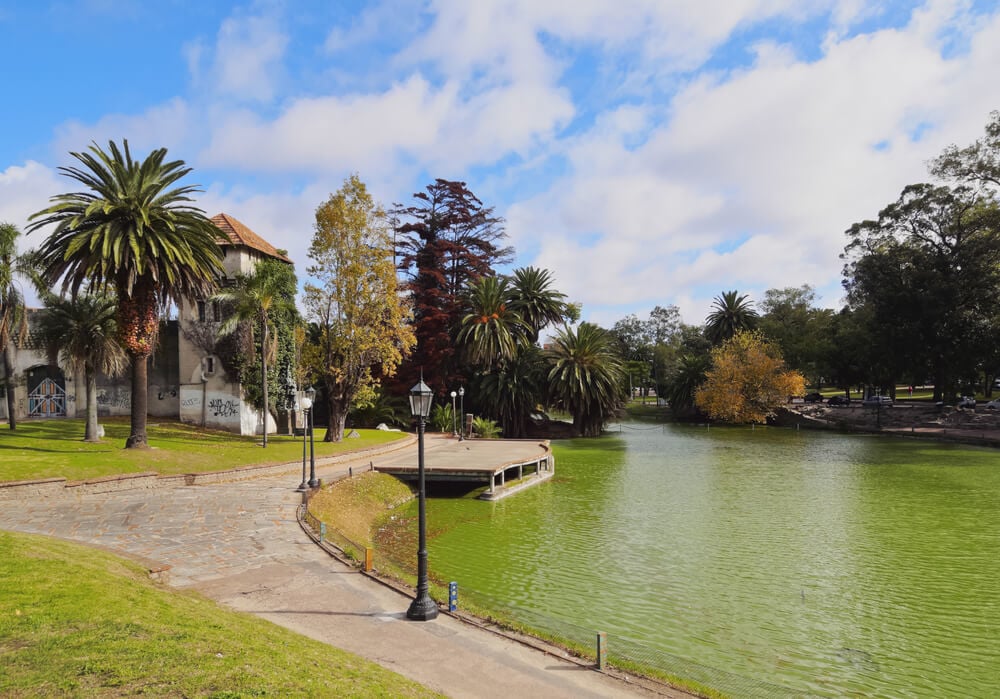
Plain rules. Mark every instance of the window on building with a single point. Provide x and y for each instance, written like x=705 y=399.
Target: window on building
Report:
x=201 y=311
x=216 y=312
x=209 y=365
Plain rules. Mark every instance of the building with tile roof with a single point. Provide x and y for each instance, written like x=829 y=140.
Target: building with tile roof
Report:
x=187 y=379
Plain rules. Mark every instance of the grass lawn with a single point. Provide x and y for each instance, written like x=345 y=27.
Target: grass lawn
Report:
x=55 y=448
x=114 y=632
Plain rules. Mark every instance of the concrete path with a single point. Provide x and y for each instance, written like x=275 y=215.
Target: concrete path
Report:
x=239 y=543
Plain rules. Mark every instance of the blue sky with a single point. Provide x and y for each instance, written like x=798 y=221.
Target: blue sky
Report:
x=647 y=152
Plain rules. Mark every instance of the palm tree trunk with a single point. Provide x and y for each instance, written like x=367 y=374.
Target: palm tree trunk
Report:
x=8 y=368
x=90 y=432
x=140 y=398
x=263 y=380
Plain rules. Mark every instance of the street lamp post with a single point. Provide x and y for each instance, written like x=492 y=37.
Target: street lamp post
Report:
x=423 y=607
x=311 y=397
x=305 y=404
x=461 y=399
x=454 y=432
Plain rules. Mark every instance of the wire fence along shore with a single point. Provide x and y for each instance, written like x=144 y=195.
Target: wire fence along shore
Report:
x=623 y=653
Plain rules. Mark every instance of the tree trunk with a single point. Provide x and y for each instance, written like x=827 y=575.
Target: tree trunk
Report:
x=338 y=417
x=263 y=381
x=90 y=431
x=140 y=397
x=8 y=368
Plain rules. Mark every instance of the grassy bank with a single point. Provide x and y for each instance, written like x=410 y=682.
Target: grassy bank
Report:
x=55 y=448
x=114 y=632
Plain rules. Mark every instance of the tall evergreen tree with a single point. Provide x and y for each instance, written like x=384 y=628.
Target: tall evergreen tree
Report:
x=446 y=240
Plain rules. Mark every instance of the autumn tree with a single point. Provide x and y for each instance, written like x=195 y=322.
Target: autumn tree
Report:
x=446 y=240
x=358 y=317
x=747 y=380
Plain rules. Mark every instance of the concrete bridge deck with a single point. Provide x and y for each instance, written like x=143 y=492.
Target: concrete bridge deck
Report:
x=523 y=462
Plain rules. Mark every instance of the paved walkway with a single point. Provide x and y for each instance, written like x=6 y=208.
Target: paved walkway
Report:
x=239 y=543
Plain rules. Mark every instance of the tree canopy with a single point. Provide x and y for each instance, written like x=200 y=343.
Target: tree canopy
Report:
x=747 y=380
x=131 y=232
x=360 y=326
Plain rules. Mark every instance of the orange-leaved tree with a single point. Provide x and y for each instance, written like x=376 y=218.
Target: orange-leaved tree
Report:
x=747 y=381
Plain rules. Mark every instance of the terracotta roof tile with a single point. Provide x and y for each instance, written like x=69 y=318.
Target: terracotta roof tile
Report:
x=237 y=233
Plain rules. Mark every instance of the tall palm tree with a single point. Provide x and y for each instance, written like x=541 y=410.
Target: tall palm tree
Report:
x=586 y=376
x=533 y=298
x=492 y=331
x=84 y=331
x=12 y=314
x=255 y=300
x=130 y=231
x=732 y=313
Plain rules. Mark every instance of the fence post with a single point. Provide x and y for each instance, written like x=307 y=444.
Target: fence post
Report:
x=322 y=531
x=368 y=559
x=452 y=596
x=602 y=651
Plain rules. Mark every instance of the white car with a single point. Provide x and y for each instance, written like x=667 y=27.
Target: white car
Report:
x=993 y=404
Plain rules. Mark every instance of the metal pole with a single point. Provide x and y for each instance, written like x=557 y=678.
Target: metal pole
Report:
x=303 y=486
x=423 y=607
x=454 y=432
x=312 y=454
x=461 y=399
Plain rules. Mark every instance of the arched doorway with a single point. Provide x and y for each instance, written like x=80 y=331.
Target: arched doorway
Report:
x=46 y=392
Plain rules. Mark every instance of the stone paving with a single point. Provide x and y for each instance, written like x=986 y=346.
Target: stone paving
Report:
x=240 y=544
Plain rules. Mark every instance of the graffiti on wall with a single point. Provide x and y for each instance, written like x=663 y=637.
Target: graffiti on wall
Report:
x=114 y=398
x=224 y=407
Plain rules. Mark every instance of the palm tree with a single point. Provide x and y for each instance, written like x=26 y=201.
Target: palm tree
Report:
x=255 y=300
x=513 y=391
x=586 y=376
x=732 y=313
x=492 y=331
x=83 y=330
x=131 y=232
x=687 y=376
x=12 y=315
x=533 y=298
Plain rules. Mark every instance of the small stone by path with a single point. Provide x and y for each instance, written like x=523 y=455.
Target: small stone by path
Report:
x=240 y=544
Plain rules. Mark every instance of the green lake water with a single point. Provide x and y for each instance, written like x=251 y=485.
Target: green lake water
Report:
x=834 y=565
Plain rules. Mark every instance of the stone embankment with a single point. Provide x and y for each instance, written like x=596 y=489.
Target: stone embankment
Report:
x=973 y=425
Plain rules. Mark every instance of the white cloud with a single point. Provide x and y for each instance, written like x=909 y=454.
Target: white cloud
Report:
x=24 y=190
x=778 y=159
x=245 y=61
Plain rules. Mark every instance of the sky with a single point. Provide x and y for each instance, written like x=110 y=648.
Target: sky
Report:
x=646 y=152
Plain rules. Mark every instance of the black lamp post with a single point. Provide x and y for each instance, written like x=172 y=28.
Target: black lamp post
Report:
x=454 y=432
x=310 y=397
x=461 y=400
x=423 y=607
x=305 y=404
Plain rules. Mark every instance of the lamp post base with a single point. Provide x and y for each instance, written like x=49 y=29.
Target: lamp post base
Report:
x=423 y=608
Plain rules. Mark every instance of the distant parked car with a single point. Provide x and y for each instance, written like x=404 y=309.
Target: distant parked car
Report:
x=838 y=400
x=967 y=402
x=873 y=401
x=993 y=404
x=814 y=397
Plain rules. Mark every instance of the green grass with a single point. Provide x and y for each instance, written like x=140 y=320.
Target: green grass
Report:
x=55 y=448
x=76 y=621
